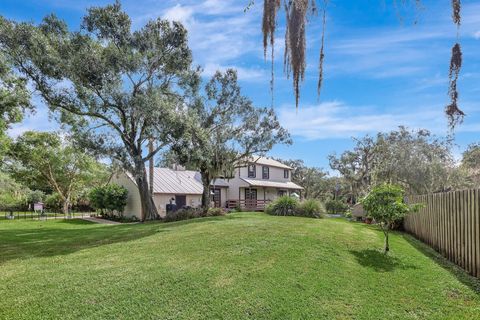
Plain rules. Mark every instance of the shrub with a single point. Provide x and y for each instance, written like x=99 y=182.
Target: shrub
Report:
x=112 y=198
x=54 y=202
x=310 y=208
x=336 y=206
x=283 y=206
x=215 y=212
x=34 y=196
x=184 y=214
x=10 y=202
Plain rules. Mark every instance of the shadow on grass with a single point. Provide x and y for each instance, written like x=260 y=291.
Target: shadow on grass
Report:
x=76 y=222
x=53 y=238
x=58 y=239
x=379 y=261
x=468 y=280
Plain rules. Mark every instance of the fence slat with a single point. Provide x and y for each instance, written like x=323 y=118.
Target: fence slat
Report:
x=449 y=223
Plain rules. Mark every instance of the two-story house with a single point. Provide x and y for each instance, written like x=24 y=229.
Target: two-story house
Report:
x=257 y=183
x=252 y=186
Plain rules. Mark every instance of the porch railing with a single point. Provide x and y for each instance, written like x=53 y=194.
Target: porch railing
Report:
x=256 y=205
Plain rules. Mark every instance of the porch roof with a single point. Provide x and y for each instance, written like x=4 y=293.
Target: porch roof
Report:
x=272 y=184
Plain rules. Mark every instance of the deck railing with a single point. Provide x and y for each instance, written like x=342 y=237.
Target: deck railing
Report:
x=256 y=205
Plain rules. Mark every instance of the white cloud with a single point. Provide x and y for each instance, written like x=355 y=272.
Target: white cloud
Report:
x=244 y=74
x=337 y=120
x=219 y=32
x=179 y=13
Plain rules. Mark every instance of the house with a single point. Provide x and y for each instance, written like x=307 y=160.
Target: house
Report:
x=182 y=187
x=258 y=182
x=252 y=186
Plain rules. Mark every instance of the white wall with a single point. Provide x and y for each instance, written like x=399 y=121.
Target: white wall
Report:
x=276 y=174
x=133 y=207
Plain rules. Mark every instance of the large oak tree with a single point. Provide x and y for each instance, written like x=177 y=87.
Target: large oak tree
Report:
x=117 y=88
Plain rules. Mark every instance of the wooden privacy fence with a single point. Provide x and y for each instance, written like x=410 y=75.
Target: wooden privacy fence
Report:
x=449 y=223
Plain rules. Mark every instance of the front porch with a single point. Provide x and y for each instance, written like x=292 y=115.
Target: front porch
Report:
x=249 y=205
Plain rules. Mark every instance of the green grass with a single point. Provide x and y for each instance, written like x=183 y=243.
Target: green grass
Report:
x=242 y=266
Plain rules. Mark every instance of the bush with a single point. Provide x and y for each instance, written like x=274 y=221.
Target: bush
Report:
x=216 y=212
x=184 y=214
x=283 y=206
x=35 y=196
x=336 y=206
x=112 y=198
x=192 y=213
x=310 y=208
x=10 y=202
x=54 y=202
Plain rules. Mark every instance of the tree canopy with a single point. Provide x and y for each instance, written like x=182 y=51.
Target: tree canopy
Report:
x=224 y=130
x=416 y=160
x=47 y=159
x=385 y=203
x=117 y=88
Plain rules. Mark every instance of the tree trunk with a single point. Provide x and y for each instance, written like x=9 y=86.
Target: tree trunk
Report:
x=149 y=211
x=387 y=245
x=206 y=191
x=65 y=206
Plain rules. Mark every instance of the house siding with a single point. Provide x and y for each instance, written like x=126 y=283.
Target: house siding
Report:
x=134 y=206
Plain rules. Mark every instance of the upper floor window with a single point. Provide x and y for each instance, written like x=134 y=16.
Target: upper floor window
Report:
x=251 y=171
x=265 y=172
x=286 y=173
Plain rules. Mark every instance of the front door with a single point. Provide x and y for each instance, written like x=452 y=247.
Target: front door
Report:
x=180 y=201
x=216 y=197
x=251 y=198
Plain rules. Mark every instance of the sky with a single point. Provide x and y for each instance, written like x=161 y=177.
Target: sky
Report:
x=385 y=65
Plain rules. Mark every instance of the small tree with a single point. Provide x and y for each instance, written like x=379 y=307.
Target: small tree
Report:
x=385 y=203
x=110 y=198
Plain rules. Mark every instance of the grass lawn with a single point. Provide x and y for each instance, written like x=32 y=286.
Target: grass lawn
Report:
x=243 y=266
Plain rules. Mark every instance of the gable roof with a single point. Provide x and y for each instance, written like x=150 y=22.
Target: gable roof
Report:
x=269 y=162
x=169 y=181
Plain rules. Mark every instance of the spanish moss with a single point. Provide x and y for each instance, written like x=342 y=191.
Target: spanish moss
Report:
x=295 y=43
x=455 y=115
x=322 y=49
x=456 y=6
x=270 y=9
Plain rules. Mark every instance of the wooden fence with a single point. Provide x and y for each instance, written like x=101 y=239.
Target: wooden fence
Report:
x=449 y=223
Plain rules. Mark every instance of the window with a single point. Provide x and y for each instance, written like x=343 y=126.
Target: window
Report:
x=265 y=172
x=286 y=173
x=282 y=193
x=251 y=171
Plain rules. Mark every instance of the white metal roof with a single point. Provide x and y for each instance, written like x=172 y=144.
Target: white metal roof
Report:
x=269 y=162
x=272 y=184
x=169 y=181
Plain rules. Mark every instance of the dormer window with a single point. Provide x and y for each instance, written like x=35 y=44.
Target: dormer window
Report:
x=286 y=173
x=251 y=171
x=265 y=172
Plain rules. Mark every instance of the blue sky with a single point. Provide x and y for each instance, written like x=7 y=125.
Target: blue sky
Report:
x=382 y=70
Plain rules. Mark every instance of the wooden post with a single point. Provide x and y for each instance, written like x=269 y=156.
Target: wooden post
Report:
x=150 y=166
